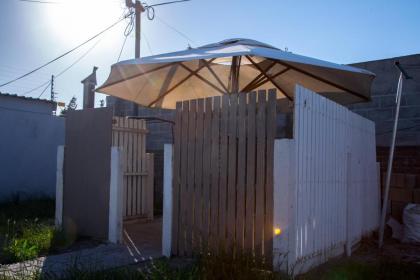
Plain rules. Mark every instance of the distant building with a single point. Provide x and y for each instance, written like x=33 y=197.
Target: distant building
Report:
x=30 y=134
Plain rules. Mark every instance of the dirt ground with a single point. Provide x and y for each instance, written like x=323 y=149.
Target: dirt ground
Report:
x=394 y=260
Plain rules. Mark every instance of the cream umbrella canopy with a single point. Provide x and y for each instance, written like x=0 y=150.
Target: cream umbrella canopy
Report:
x=231 y=66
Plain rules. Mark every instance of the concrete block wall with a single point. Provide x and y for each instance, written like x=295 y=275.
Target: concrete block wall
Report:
x=381 y=109
x=405 y=180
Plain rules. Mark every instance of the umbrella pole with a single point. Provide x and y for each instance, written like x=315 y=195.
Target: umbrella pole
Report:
x=391 y=154
x=234 y=74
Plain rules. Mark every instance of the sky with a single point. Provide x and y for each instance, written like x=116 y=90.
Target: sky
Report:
x=338 y=31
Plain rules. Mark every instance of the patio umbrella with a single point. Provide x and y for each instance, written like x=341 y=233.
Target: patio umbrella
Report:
x=232 y=66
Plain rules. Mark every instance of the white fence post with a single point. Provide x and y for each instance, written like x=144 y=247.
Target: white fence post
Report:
x=284 y=194
x=167 y=201
x=115 y=196
x=59 y=188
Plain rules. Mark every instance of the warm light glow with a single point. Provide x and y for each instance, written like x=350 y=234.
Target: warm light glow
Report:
x=277 y=231
x=77 y=20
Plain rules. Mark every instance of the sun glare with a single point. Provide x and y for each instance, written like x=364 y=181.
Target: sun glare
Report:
x=76 y=20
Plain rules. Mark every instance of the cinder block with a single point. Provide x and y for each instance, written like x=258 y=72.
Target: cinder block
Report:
x=410 y=180
x=401 y=195
x=381 y=114
x=399 y=180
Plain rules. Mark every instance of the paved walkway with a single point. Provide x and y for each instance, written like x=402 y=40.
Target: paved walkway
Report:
x=141 y=243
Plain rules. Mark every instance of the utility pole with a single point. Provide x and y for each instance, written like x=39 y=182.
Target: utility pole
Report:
x=52 y=88
x=138 y=9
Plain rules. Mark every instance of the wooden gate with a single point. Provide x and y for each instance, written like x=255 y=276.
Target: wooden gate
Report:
x=223 y=174
x=130 y=135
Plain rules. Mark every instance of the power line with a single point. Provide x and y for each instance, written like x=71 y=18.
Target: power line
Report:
x=176 y=30
x=166 y=3
x=122 y=48
x=65 y=69
x=41 y=2
x=38 y=87
x=147 y=43
x=66 y=53
x=127 y=31
x=44 y=90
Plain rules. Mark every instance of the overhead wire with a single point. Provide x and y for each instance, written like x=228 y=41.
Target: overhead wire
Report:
x=182 y=34
x=65 y=69
x=67 y=52
x=44 y=90
x=166 y=3
x=127 y=31
x=147 y=43
x=41 y=2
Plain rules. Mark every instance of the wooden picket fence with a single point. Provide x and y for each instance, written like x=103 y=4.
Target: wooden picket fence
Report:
x=223 y=174
x=130 y=135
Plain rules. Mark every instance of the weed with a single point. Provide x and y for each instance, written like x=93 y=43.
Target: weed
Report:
x=27 y=229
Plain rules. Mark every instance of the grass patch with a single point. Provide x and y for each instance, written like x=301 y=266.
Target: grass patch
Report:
x=27 y=229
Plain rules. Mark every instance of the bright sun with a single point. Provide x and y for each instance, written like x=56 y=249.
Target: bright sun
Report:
x=76 y=20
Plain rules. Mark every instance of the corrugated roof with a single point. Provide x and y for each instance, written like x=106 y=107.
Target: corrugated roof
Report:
x=26 y=97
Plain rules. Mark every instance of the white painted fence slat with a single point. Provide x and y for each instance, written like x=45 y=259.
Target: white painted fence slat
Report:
x=334 y=197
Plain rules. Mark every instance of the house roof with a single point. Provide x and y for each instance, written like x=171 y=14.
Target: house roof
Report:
x=27 y=98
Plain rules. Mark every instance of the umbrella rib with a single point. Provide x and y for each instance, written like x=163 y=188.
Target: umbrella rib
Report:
x=177 y=84
x=201 y=78
x=136 y=75
x=215 y=75
x=257 y=78
x=251 y=84
x=324 y=81
x=268 y=77
x=273 y=77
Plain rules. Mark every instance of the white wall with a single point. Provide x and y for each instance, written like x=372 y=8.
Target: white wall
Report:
x=29 y=139
x=332 y=187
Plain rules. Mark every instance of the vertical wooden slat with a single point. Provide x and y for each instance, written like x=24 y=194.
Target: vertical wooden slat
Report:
x=206 y=171
x=184 y=173
x=215 y=175
x=198 y=192
x=136 y=147
x=176 y=179
x=269 y=203
x=124 y=145
x=190 y=177
x=232 y=138
x=260 y=174
x=143 y=169
x=128 y=124
x=241 y=165
x=223 y=169
x=250 y=172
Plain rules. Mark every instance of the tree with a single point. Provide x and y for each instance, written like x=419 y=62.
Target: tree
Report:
x=71 y=106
